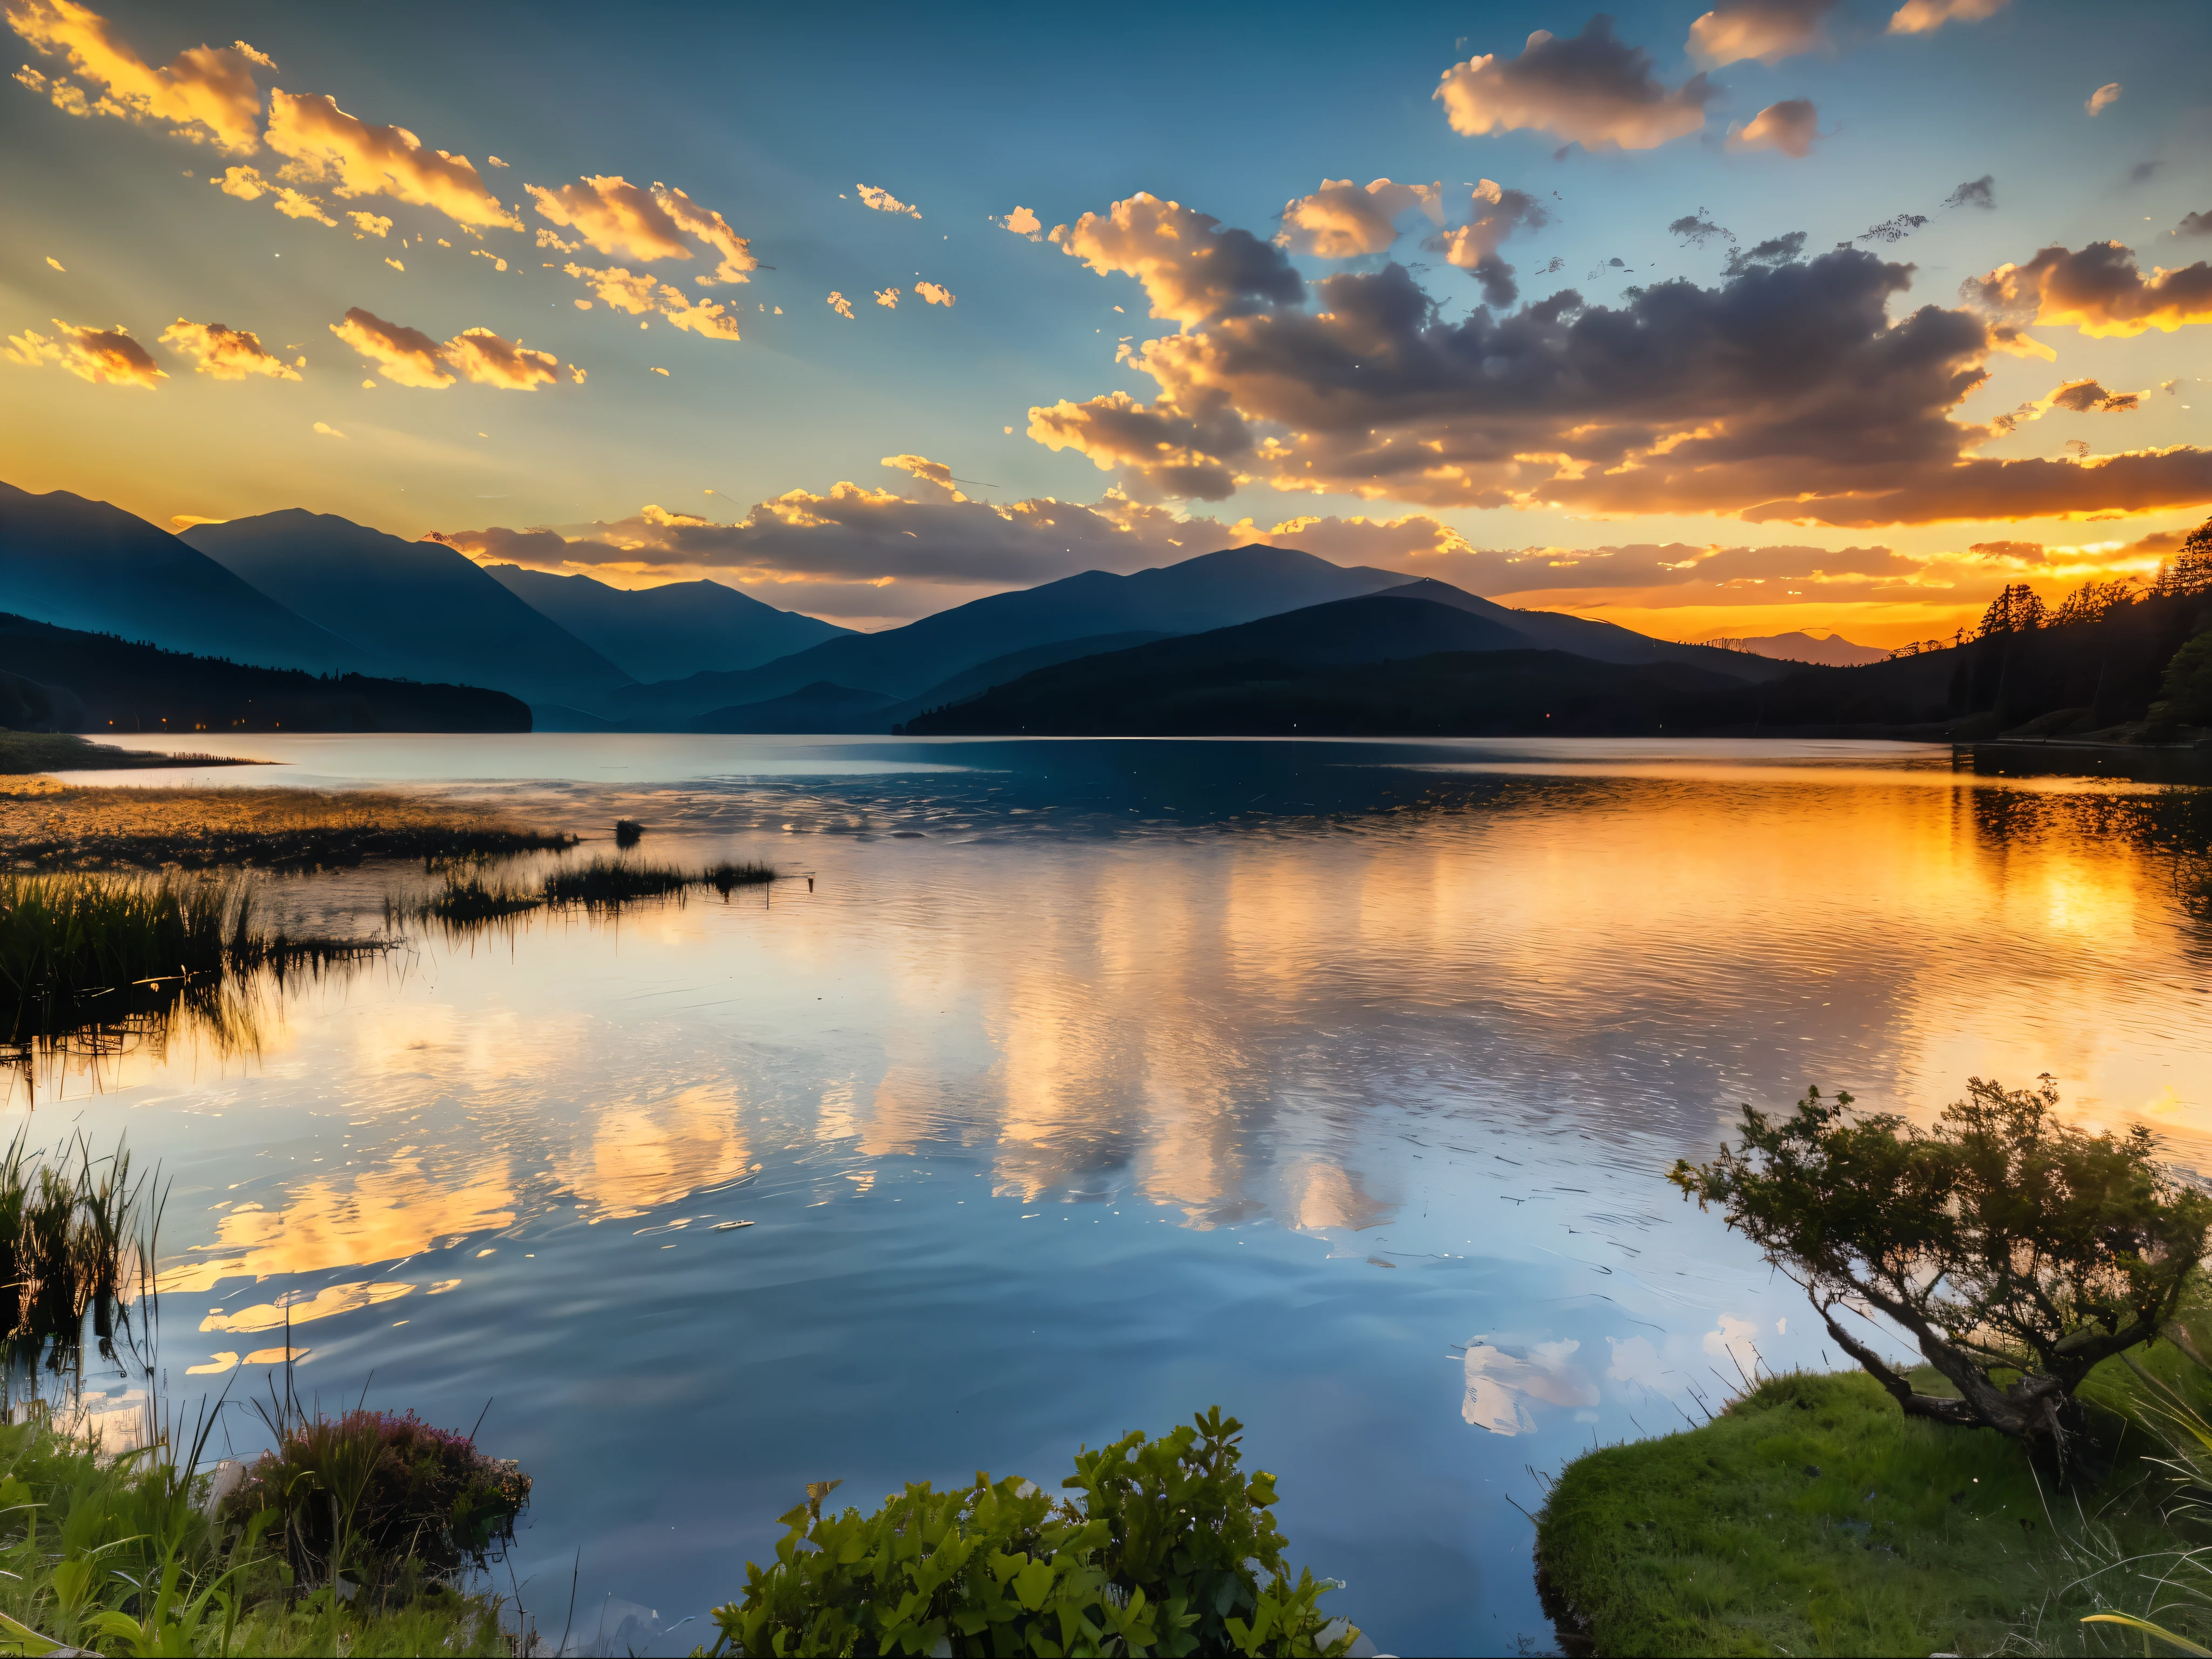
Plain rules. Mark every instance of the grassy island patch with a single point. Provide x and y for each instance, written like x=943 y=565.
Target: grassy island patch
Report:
x=23 y=753
x=45 y=826
x=1813 y=1516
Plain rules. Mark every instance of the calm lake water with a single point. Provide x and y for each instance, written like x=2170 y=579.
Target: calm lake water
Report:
x=1073 y=1087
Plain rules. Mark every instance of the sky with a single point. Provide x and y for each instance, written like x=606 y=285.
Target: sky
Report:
x=1783 y=315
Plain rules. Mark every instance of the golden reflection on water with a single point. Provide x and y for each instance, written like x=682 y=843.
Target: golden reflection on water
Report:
x=1206 y=1021
x=384 y=1214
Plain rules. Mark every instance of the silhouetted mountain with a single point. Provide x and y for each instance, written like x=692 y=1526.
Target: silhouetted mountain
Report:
x=416 y=609
x=87 y=565
x=1834 y=652
x=1601 y=641
x=820 y=707
x=668 y=632
x=1493 y=692
x=1147 y=682
x=113 y=686
x=1214 y=590
x=1293 y=675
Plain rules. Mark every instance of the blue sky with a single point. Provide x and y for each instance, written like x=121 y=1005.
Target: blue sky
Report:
x=774 y=118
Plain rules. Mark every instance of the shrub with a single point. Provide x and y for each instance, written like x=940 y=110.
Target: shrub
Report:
x=1169 y=1550
x=2017 y=1251
x=371 y=1492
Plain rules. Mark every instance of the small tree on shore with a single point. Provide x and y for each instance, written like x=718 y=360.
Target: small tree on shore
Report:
x=2017 y=1251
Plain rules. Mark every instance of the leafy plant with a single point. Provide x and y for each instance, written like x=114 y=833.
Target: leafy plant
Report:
x=2017 y=1251
x=1169 y=1550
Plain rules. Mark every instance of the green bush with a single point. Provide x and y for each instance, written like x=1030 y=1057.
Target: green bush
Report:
x=1169 y=1550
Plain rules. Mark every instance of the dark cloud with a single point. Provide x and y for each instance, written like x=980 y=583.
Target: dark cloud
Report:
x=1894 y=230
x=1193 y=270
x=2086 y=396
x=1975 y=192
x=1697 y=229
x=2099 y=289
x=2141 y=172
x=1774 y=251
x=1784 y=393
x=1592 y=90
x=2194 y=224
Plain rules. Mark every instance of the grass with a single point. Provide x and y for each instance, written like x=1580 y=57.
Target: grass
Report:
x=23 y=753
x=67 y=826
x=77 y=1237
x=1813 y=1517
x=121 y=1554
x=84 y=950
x=471 y=899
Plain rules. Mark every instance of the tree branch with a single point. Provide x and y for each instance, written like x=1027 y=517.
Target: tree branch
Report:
x=1909 y=1400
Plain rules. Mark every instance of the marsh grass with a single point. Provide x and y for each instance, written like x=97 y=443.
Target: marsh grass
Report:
x=84 y=827
x=114 y=954
x=1811 y=1516
x=471 y=899
x=628 y=832
x=77 y=1239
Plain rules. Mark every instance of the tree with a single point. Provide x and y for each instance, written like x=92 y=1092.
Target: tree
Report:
x=2187 y=682
x=2017 y=610
x=2188 y=572
x=2002 y=1241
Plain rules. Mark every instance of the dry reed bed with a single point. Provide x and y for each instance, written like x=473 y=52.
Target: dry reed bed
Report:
x=45 y=826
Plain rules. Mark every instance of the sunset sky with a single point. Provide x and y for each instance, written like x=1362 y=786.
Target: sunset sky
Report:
x=1791 y=313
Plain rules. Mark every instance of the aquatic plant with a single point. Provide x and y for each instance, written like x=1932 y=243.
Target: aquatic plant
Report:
x=1170 y=1549
x=607 y=882
x=628 y=832
x=2018 y=1251
x=725 y=878
x=75 y=948
x=76 y=1238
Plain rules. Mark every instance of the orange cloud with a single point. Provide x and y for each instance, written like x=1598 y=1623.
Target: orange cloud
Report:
x=293 y=205
x=618 y=287
x=616 y=217
x=1768 y=30
x=226 y=354
x=104 y=357
x=1023 y=223
x=410 y=357
x=245 y=183
x=356 y=158
x=2102 y=99
x=639 y=295
x=406 y=355
x=206 y=93
x=1192 y=271
x=1790 y=126
x=487 y=359
x=370 y=224
x=1342 y=219
x=883 y=201
x=1591 y=90
x=2099 y=290
x=888 y=297
x=1924 y=17
x=935 y=293
x=841 y=305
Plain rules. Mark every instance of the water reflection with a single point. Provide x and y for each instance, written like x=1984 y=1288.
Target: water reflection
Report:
x=1092 y=1084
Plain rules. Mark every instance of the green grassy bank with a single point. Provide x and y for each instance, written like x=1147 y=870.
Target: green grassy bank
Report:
x=1813 y=1517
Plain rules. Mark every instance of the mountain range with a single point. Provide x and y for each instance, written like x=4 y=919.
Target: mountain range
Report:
x=1239 y=639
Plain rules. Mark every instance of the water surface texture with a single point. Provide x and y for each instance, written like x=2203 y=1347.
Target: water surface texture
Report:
x=1073 y=1087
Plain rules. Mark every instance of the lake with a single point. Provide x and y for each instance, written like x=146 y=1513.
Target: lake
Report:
x=1074 y=1087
